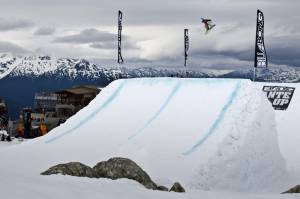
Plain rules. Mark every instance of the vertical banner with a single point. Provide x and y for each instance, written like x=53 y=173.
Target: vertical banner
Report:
x=186 y=45
x=260 y=51
x=120 y=16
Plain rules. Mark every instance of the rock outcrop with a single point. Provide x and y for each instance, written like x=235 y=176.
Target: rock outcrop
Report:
x=177 y=188
x=295 y=189
x=162 y=188
x=73 y=169
x=116 y=168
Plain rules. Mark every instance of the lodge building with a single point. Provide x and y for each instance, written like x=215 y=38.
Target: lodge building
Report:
x=78 y=97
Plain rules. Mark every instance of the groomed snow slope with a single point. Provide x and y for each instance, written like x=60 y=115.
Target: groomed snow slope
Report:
x=209 y=134
x=287 y=125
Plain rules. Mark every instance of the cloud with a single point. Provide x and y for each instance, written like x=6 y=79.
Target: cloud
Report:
x=107 y=45
x=14 y=24
x=161 y=23
x=87 y=36
x=43 y=31
x=97 y=39
x=127 y=44
x=8 y=47
x=281 y=50
x=284 y=50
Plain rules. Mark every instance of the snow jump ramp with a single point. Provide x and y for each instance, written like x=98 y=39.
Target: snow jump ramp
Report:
x=209 y=134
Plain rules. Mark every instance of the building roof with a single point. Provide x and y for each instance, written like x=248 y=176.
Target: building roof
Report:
x=80 y=90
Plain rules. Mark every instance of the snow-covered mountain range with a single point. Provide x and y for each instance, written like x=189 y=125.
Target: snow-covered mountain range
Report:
x=23 y=76
x=64 y=68
x=36 y=66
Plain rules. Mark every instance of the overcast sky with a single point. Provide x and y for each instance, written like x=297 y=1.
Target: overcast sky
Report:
x=152 y=30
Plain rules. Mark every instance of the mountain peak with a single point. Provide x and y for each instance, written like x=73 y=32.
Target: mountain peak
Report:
x=32 y=66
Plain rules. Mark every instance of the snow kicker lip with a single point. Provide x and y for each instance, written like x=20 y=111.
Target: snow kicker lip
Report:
x=160 y=110
x=217 y=122
x=106 y=103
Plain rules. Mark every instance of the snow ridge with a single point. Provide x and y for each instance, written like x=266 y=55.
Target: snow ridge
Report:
x=7 y=65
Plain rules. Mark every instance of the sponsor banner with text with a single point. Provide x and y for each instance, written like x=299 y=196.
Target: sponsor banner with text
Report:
x=279 y=96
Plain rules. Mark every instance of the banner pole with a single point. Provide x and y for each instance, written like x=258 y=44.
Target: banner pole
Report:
x=254 y=74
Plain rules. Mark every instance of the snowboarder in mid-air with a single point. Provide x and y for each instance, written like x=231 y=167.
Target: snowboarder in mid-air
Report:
x=208 y=24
